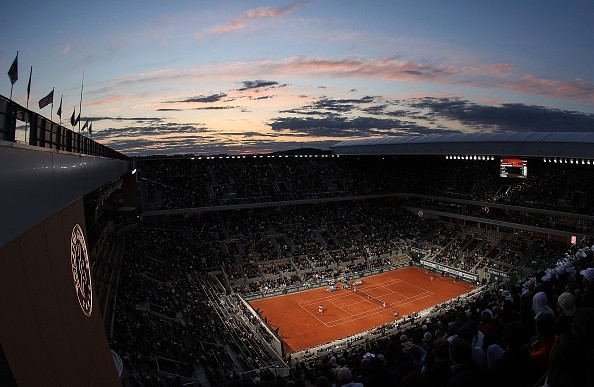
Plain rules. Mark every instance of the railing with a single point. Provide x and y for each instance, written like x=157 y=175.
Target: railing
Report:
x=45 y=133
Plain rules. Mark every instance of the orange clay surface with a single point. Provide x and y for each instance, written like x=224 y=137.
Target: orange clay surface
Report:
x=346 y=313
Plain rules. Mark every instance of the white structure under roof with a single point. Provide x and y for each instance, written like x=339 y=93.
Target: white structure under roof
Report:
x=526 y=144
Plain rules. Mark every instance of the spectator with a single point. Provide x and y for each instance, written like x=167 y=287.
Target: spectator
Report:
x=540 y=350
x=344 y=378
x=322 y=381
x=540 y=304
x=439 y=373
x=566 y=309
x=512 y=366
x=583 y=326
x=568 y=363
x=464 y=372
x=587 y=298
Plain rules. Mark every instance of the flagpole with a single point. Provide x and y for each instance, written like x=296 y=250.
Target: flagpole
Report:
x=81 y=94
x=28 y=95
x=29 y=87
x=12 y=84
x=52 y=109
x=60 y=109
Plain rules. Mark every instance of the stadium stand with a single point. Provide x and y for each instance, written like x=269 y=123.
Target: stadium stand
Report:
x=217 y=231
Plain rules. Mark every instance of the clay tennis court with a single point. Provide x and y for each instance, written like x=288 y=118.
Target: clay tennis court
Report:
x=346 y=312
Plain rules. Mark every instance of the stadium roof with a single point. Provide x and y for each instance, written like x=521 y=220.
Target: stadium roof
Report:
x=527 y=144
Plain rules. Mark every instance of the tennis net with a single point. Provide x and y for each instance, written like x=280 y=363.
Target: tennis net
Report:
x=370 y=297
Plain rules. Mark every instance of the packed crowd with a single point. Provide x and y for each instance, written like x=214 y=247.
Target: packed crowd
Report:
x=536 y=332
x=193 y=182
x=164 y=294
x=169 y=311
x=475 y=248
x=171 y=315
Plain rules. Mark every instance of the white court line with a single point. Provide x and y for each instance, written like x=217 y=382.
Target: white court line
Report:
x=351 y=317
x=405 y=301
x=382 y=285
x=327 y=298
x=359 y=316
x=342 y=294
x=315 y=315
x=339 y=307
x=330 y=298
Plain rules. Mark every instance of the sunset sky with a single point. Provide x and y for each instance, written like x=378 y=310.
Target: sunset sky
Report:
x=208 y=77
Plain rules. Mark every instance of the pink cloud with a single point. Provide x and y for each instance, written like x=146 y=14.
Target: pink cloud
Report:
x=489 y=76
x=493 y=69
x=389 y=69
x=67 y=47
x=577 y=89
x=248 y=17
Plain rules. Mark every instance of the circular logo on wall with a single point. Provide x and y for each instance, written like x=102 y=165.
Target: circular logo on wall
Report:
x=81 y=270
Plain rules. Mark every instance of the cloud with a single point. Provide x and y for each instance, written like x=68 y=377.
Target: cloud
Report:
x=338 y=126
x=67 y=47
x=198 y=108
x=324 y=105
x=148 y=131
x=488 y=76
x=259 y=83
x=195 y=139
x=249 y=134
x=376 y=109
x=506 y=117
x=499 y=76
x=327 y=120
x=339 y=118
x=383 y=68
x=202 y=98
x=208 y=146
x=577 y=89
x=385 y=110
x=121 y=119
x=494 y=69
x=248 y=18
x=262 y=97
x=216 y=108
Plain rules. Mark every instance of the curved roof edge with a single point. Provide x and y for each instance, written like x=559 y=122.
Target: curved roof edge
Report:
x=527 y=144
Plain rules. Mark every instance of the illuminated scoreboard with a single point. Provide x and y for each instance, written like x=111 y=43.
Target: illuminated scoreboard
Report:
x=513 y=168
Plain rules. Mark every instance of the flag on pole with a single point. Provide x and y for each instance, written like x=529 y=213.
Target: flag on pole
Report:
x=13 y=72
x=77 y=119
x=72 y=118
x=85 y=125
x=29 y=84
x=46 y=100
x=59 y=112
x=91 y=128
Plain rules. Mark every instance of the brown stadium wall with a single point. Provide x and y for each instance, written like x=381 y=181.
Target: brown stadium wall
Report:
x=46 y=337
